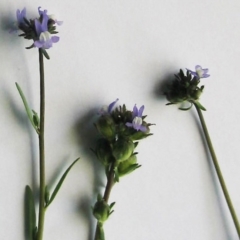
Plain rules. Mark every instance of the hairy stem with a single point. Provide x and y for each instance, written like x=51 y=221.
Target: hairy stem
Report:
x=41 y=150
x=218 y=170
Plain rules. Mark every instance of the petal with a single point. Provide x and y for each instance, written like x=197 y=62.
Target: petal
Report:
x=111 y=105
x=128 y=124
x=38 y=44
x=45 y=22
x=59 y=23
x=143 y=128
x=140 y=111
x=135 y=111
x=38 y=27
x=198 y=67
x=55 y=39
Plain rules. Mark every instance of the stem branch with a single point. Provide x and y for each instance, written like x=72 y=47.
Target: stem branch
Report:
x=218 y=170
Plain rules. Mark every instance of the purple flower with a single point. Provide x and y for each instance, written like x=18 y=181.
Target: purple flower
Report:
x=137 y=119
x=107 y=109
x=200 y=72
x=45 y=39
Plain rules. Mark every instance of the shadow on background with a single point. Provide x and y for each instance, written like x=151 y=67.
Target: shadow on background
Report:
x=87 y=137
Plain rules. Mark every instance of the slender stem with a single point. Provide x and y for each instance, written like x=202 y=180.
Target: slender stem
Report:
x=41 y=150
x=218 y=171
x=110 y=183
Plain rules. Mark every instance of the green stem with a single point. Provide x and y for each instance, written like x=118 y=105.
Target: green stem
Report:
x=41 y=150
x=99 y=233
x=218 y=170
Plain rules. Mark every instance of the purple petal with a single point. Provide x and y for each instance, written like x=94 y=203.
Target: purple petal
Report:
x=59 y=23
x=205 y=75
x=198 y=67
x=45 y=22
x=111 y=105
x=135 y=111
x=47 y=44
x=55 y=39
x=143 y=128
x=140 y=111
x=129 y=124
x=38 y=44
x=38 y=27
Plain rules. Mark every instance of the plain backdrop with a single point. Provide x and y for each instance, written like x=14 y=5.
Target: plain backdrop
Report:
x=124 y=49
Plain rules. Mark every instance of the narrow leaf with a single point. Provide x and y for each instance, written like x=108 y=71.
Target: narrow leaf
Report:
x=28 y=111
x=200 y=106
x=30 y=215
x=44 y=52
x=60 y=183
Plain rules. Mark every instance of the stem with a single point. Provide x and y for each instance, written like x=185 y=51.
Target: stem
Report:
x=110 y=183
x=41 y=150
x=218 y=171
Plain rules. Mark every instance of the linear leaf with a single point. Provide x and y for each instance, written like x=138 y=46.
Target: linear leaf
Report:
x=28 y=110
x=60 y=183
x=30 y=215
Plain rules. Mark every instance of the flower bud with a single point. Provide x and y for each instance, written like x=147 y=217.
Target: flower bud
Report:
x=104 y=151
x=106 y=126
x=101 y=210
x=122 y=149
x=128 y=166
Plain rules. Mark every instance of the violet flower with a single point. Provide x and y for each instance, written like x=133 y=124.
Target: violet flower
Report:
x=137 y=119
x=45 y=39
x=200 y=72
x=105 y=110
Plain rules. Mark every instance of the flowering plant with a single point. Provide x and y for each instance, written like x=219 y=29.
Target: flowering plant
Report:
x=39 y=30
x=120 y=130
x=185 y=88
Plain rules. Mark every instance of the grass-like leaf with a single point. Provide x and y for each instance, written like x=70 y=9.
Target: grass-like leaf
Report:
x=30 y=215
x=60 y=183
x=27 y=108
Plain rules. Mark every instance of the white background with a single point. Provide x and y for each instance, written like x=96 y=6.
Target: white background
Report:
x=124 y=49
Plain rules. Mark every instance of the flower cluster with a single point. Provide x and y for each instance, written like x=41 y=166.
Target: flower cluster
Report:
x=186 y=87
x=39 y=30
x=119 y=129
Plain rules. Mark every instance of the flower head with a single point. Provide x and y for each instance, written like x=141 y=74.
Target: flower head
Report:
x=137 y=122
x=200 y=72
x=39 y=30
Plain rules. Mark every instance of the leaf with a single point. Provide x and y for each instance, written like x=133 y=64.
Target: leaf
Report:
x=28 y=111
x=44 y=52
x=30 y=215
x=200 y=106
x=60 y=183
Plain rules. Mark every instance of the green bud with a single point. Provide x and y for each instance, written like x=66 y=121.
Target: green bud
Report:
x=141 y=135
x=101 y=210
x=122 y=149
x=128 y=166
x=104 y=151
x=106 y=126
x=197 y=93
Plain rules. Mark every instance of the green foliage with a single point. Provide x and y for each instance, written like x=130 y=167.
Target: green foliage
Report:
x=32 y=115
x=58 y=186
x=30 y=214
